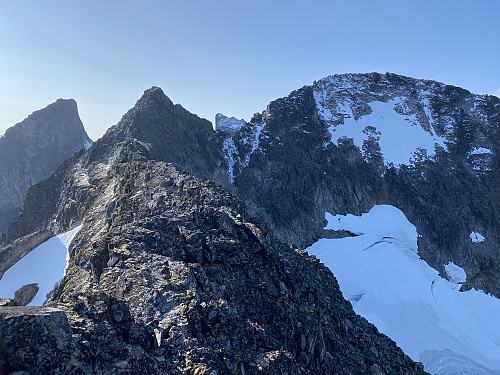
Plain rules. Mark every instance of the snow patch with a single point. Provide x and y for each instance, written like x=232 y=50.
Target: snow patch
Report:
x=228 y=124
x=250 y=137
x=456 y=274
x=400 y=137
x=230 y=151
x=87 y=144
x=480 y=151
x=380 y=272
x=476 y=237
x=445 y=362
x=46 y=265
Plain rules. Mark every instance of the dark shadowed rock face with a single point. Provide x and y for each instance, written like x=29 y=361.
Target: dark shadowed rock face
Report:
x=170 y=133
x=33 y=149
x=288 y=166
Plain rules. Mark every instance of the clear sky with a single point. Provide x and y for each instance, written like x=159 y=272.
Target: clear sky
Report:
x=230 y=56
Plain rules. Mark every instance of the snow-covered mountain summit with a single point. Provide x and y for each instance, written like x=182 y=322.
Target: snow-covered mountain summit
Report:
x=228 y=124
x=350 y=141
x=406 y=119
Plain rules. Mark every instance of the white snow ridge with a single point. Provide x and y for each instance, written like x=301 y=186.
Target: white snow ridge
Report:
x=46 y=265
x=380 y=272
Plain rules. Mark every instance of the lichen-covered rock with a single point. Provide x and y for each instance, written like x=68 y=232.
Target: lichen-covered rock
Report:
x=37 y=340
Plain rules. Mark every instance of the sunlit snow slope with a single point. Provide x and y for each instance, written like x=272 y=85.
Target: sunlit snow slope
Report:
x=380 y=272
x=44 y=265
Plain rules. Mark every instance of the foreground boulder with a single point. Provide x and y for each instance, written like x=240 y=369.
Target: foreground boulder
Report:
x=36 y=340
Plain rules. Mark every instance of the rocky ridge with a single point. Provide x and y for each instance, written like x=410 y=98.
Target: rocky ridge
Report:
x=290 y=164
x=169 y=274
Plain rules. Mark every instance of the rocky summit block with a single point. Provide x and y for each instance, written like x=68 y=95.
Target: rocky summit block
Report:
x=36 y=340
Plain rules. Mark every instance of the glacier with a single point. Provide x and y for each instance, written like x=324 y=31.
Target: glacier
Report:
x=380 y=272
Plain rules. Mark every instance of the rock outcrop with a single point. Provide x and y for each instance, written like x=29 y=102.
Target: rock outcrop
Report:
x=33 y=149
x=25 y=294
x=36 y=340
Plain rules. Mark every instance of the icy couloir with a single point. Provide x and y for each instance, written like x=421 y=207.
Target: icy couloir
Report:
x=381 y=273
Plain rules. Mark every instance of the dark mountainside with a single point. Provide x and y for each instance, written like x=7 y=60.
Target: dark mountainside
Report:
x=33 y=149
x=289 y=173
x=169 y=273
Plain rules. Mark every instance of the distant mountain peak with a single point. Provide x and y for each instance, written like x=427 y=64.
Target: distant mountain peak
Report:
x=228 y=124
x=32 y=149
x=154 y=95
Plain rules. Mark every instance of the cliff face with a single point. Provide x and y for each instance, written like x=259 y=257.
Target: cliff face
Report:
x=169 y=274
x=33 y=149
x=351 y=141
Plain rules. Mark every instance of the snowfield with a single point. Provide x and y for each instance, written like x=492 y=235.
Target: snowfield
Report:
x=401 y=137
x=381 y=274
x=45 y=265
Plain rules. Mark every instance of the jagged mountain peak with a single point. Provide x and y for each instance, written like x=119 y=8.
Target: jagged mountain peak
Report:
x=155 y=111
x=166 y=132
x=154 y=96
x=62 y=114
x=228 y=124
x=32 y=149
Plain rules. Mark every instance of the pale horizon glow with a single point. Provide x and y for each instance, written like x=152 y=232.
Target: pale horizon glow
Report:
x=230 y=57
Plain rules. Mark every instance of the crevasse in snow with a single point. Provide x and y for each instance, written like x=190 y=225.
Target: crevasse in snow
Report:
x=46 y=265
x=380 y=272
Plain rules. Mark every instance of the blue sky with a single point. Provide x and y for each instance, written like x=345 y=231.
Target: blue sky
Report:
x=230 y=56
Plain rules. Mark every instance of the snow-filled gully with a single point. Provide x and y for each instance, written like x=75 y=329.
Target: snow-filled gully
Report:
x=45 y=265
